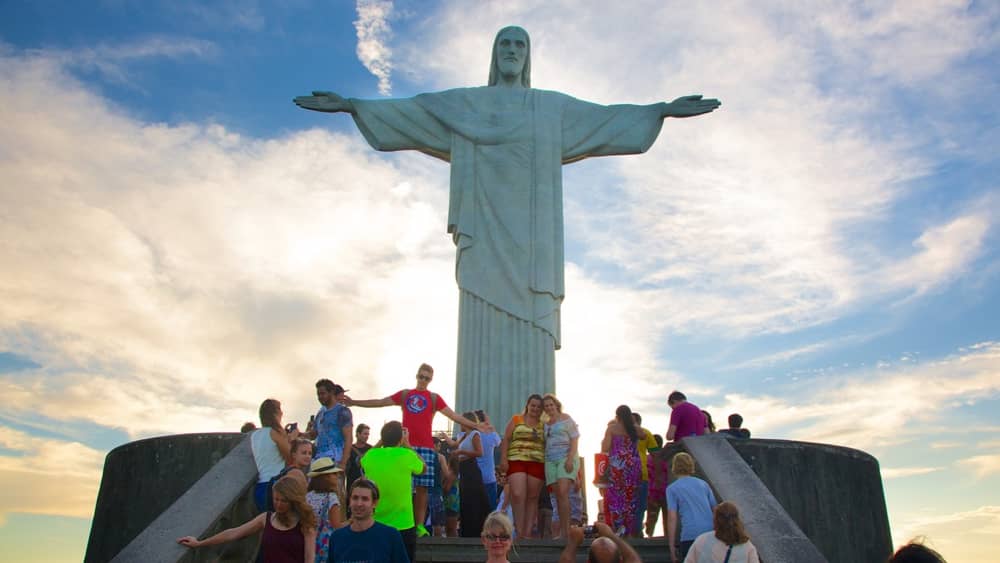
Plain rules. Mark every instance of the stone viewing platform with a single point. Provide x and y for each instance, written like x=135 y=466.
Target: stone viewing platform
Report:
x=801 y=502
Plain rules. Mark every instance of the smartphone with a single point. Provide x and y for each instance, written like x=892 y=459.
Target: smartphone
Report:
x=481 y=415
x=291 y=426
x=589 y=531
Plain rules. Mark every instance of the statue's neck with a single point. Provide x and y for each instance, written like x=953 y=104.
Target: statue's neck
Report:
x=509 y=82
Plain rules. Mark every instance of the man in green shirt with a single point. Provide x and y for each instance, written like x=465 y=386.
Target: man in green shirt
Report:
x=392 y=468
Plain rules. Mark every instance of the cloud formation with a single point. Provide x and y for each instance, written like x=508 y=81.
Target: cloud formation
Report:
x=48 y=477
x=231 y=271
x=374 y=32
x=982 y=465
x=111 y=60
x=187 y=271
x=874 y=408
x=899 y=472
x=959 y=536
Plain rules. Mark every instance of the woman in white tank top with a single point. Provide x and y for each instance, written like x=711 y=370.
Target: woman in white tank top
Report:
x=271 y=447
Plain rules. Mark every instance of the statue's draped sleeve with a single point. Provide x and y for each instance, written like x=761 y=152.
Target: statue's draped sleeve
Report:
x=401 y=124
x=590 y=129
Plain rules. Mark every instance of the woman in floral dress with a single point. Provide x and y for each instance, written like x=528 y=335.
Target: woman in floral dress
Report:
x=324 y=480
x=625 y=470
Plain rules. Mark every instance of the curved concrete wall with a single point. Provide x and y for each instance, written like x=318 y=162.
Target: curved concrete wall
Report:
x=143 y=478
x=833 y=493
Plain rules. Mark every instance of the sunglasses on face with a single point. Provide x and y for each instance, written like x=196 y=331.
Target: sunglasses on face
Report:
x=501 y=537
x=423 y=378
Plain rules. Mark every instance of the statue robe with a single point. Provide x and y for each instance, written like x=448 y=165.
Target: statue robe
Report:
x=506 y=148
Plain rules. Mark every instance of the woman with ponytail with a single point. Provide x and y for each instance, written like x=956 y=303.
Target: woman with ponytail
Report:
x=625 y=470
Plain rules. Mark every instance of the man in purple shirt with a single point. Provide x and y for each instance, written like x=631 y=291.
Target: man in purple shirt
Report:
x=686 y=419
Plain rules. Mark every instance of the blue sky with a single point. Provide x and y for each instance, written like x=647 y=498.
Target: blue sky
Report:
x=178 y=241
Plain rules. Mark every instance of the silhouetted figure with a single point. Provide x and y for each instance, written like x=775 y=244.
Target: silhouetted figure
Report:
x=736 y=429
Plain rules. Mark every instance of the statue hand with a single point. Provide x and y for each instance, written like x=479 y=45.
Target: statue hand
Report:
x=690 y=106
x=324 y=101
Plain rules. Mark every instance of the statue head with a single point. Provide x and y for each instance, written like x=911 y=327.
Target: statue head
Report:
x=511 y=56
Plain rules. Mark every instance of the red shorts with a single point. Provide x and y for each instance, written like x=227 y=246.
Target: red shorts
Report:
x=535 y=469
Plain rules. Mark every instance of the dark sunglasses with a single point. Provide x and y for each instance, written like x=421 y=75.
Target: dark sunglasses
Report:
x=501 y=537
x=423 y=378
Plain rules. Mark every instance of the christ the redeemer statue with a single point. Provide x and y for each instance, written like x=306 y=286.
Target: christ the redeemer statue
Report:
x=506 y=143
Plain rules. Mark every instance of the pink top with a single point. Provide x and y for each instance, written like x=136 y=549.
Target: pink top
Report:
x=688 y=419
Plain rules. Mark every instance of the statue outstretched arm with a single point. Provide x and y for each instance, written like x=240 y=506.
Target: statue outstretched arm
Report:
x=689 y=106
x=325 y=101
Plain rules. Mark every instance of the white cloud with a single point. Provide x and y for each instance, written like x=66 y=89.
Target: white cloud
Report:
x=944 y=252
x=111 y=60
x=48 y=477
x=872 y=407
x=899 y=472
x=182 y=261
x=959 y=536
x=982 y=465
x=374 y=32
x=907 y=41
x=239 y=14
x=945 y=445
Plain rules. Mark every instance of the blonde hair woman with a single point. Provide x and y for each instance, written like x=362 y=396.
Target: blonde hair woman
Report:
x=498 y=537
x=289 y=531
x=561 y=459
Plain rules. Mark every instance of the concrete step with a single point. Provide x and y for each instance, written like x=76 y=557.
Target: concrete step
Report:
x=454 y=550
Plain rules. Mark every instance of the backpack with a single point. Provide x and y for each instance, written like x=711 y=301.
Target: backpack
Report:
x=269 y=502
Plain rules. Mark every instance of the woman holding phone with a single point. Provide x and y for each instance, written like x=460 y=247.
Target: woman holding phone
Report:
x=272 y=448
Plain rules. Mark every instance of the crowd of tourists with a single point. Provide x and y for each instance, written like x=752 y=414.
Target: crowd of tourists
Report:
x=325 y=493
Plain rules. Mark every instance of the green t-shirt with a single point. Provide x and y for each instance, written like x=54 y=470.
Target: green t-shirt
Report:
x=392 y=469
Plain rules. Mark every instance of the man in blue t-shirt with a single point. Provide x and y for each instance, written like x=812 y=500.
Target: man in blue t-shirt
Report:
x=690 y=499
x=365 y=540
x=333 y=428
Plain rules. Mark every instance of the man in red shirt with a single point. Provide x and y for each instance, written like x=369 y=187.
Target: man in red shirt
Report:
x=686 y=419
x=419 y=407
